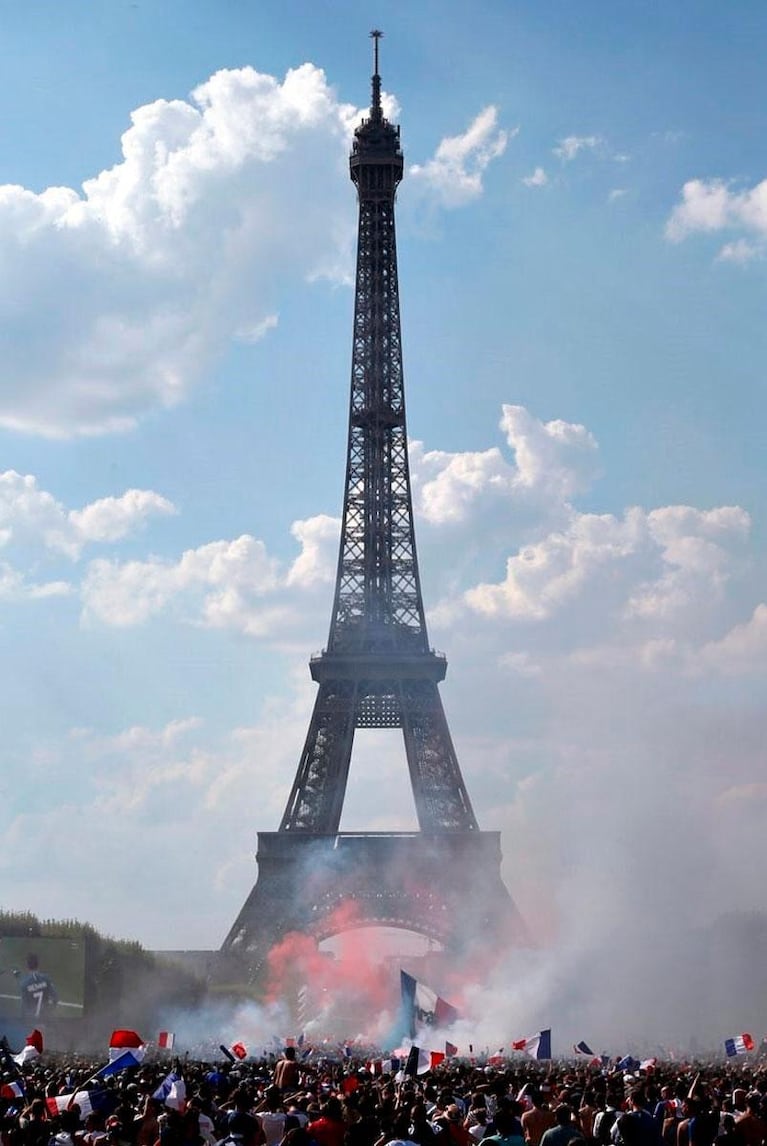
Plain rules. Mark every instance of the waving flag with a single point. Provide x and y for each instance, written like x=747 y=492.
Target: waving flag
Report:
x=451 y=1050
x=583 y=1048
x=123 y=1040
x=422 y=1005
x=384 y=1066
x=537 y=1046
x=418 y=1062
x=239 y=1050
x=172 y=1092
x=741 y=1044
x=125 y=1060
x=11 y=1090
x=32 y=1050
x=165 y=1040
x=89 y=1101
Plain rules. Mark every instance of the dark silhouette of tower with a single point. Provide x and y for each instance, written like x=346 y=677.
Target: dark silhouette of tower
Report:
x=378 y=670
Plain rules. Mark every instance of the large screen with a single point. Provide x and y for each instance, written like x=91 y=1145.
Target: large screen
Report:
x=41 y=979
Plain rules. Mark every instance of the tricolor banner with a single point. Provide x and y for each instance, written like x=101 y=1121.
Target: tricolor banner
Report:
x=125 y=1040
x=422 y=1006
x=537 y=1046
x=741 y=1044
x=166 y=1040
x=172 y=1092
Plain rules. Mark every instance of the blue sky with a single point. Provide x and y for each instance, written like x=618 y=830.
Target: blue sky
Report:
x=582 y=232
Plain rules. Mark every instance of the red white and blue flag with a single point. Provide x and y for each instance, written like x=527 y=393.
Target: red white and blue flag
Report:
x=172 y=1092
x=123 y=1041
x=89 y=1101
x=422 y=1006
x=741 y=1044
x=166 y=1040
x=384 y=1066
x=537 y=1046
x=418 y=1062
x=32 y=1050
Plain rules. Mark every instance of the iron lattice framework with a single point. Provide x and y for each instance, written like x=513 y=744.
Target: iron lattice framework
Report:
x=377 y=670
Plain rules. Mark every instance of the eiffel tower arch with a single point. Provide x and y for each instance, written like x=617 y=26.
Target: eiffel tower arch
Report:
x=378 y=670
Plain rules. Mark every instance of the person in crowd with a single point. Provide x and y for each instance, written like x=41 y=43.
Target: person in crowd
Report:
x=565 y=1129
x=538 y=1119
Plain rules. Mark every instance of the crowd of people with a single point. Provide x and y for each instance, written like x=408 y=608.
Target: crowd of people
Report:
x=290 y=1102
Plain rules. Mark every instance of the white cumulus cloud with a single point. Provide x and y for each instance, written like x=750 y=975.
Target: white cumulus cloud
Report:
x=31 y=515
x=145 y=273
x=454 y=174
x=217 y=584
x=539 y=178
x=657 y=565
x=713 y=205
x=553 y=462
x=572 y=145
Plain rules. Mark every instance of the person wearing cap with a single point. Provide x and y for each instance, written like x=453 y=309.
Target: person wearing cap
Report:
x=450 y=1128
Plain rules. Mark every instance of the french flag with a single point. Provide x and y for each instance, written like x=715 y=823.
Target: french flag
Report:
x=537 y=1046
x=741 y=1044
x=125 y=1060
x=172 y=1092
x=418 y=1062
x=11 y=1090
x=583 y=1048
x=166 y=1040
x=422 y=1005
x=87 y=1100
x=32 y=1050
x=124 y=1041
x=384 y=1066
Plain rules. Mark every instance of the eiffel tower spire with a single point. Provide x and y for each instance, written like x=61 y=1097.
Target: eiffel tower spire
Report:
x=377 y=670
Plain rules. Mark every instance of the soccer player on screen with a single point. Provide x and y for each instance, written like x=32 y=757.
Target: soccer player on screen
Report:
x=38 y=994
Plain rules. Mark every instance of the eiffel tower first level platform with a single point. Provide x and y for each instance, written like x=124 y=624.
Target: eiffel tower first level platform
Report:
x=378 y=670
x=443 y=885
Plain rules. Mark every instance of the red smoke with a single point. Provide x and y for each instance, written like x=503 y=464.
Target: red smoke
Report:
x=348 y=993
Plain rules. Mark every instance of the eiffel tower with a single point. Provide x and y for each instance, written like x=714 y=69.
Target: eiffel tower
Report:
x=378 y=670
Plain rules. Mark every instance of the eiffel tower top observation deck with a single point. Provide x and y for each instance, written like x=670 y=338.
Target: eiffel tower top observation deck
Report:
x=377 y=670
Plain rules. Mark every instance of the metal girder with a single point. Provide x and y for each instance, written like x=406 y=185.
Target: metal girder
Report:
x=378 y=670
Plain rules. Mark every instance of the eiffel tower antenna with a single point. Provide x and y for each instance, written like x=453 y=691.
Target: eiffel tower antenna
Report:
x=375 y=103
x=377 y=669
